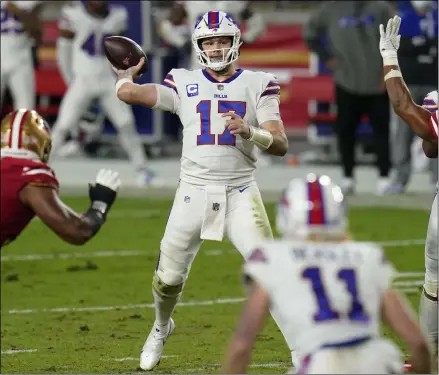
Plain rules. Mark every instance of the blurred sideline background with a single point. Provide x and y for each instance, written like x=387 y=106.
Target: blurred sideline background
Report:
x=307 y=103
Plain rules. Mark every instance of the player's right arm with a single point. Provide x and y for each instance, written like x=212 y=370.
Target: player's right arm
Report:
x=397 y=313
x=64 y=44
x=76 y=229
x=29 y=15
x=150 y=95
x=399 y=316
x=252 y=320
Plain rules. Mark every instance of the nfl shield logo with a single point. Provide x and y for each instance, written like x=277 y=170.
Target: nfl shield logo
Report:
x=215 y=207
x=220 y=87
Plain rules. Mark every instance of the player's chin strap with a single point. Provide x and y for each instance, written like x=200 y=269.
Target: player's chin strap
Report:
x=261 y=137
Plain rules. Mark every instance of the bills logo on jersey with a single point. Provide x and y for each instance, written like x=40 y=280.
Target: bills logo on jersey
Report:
x=192 y=89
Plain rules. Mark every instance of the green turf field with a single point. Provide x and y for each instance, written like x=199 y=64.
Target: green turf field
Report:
x=87 y=309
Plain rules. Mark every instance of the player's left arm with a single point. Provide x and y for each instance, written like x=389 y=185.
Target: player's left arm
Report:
x=255 y=23
x=252 y=320
x=30 y=18
x=430 y=149
x=418 y=118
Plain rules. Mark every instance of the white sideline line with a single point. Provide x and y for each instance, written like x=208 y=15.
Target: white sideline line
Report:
x=125 y=307
x=127 y=253
x=14 y=351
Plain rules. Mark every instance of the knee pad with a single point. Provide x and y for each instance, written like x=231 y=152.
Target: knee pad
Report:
x=165 y=290
x=430 y=288
x=171 y=272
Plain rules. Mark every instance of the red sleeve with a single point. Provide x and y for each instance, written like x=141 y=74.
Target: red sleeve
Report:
x=39 y=174
x=433 y=124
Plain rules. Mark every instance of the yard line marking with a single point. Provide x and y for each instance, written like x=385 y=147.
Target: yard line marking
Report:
x=136 y=213
x=410 y=274
x=127 y=253
x=135 y=358
x=253 y=365
x=408 y=283
x=125 y=307
x=103 y=254
x=403 y=286
x=401 y=243
x=15 y=351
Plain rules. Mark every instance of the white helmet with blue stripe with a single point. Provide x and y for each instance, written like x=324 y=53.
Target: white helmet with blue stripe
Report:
x=430 y=101
x=314 y=205
x=215 y=24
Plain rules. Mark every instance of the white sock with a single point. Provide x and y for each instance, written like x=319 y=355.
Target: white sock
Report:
x=164 y=307
x=428 y=316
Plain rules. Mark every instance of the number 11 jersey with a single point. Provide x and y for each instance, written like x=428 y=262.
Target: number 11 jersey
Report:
x=211 y=155
x=327 y=294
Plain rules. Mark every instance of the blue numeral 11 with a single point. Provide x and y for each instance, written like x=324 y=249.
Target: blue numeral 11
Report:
x=326 y=312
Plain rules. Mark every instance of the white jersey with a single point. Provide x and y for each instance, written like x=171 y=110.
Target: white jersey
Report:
x=329 y=294
x=13 y=37
x=211 y=155
x=88 y=50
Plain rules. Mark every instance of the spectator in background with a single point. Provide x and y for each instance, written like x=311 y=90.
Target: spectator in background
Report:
x=20 y=27
x=350 y=51
x=418 y=62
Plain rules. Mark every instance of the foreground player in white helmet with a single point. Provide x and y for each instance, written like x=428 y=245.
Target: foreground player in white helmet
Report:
x=331 y=292
x=20 y=27
x=85 y=69
x=226 y=114
x=423 y=120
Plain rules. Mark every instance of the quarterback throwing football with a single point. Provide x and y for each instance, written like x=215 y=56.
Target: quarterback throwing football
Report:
x=226 y=114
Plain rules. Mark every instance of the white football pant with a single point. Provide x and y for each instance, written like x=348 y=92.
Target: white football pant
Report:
x=377 y=356
x=197 y=213
x=80 y=94
x=18 y=75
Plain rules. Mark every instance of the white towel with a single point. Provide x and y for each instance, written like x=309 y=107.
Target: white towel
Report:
x=214 y=213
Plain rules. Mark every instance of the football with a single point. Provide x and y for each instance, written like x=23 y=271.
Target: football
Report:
x=124 y=53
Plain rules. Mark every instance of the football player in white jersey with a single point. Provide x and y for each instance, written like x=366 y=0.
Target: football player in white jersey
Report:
x=20 y=27
x=188 y=12
x=226 y=114
x=176 y=30
x=85 y=69
x=423 y=120
x=331 y=291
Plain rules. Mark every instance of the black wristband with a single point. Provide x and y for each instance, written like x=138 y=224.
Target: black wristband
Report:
x=96 y=219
